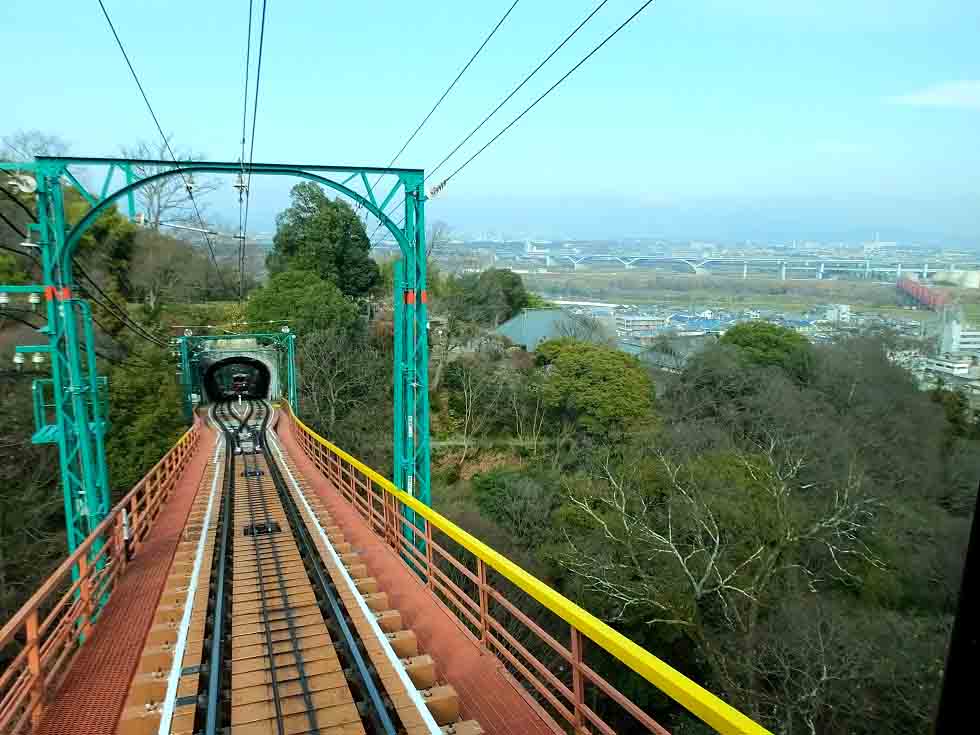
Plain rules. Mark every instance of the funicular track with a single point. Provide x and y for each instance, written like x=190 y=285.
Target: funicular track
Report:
x=292 y=663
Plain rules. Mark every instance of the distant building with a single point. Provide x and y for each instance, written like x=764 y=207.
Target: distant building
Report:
x=952 y=365
x=956 y=338
x=837 y=313
x=533 y=326
x=963 y=279
x=628 y=324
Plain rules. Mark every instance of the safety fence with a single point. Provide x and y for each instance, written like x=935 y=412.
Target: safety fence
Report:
x=38 y=644
x=551 y=646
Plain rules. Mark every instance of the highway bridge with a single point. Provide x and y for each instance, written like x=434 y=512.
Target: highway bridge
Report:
x=782 y=267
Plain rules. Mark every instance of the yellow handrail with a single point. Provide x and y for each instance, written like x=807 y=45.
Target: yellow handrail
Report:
x=696 y=699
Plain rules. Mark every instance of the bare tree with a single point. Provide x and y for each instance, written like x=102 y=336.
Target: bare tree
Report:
x=480 y=388
x=677 y=554
x=337 y=373
x=524 y=394
x=452 y=331
x=164 y=268
x=436 y=237
x=167 y=197
x=25 y=145
x=584 y=327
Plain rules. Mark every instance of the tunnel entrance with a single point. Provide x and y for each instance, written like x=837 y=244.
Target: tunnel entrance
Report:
x=234 y=376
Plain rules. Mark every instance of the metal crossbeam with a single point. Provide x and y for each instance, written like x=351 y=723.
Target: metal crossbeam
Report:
x=79 y=422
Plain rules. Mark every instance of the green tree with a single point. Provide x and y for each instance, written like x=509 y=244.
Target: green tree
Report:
x=12 y=270
x=763 y=343
x=594 y=388
x=325 y=236
x=146 y=417
x=308 y=301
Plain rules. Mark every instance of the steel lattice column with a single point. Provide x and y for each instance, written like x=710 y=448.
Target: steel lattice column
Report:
x=412 y=353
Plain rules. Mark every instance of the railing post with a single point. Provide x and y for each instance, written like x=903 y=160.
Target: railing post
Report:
x=429 y=557
x=481 y=570
x=119 y=536
x=85 y=594
x=578 y=686
x=34 y=668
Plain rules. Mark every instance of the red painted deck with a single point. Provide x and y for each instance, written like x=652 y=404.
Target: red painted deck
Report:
x=94 y=692
x=92 y=696
x=486 y=691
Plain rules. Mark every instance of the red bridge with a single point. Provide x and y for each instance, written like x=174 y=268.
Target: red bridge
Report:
x=923 y=294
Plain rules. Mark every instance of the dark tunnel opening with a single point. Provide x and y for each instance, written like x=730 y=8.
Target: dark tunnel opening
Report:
x=236 y=376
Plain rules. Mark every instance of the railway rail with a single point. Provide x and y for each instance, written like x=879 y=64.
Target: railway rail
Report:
x=275 y=637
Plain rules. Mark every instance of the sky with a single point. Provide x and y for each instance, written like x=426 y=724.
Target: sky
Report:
x=702 y=119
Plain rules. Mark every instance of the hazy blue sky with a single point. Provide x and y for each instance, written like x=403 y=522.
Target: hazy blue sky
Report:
x=705 y=118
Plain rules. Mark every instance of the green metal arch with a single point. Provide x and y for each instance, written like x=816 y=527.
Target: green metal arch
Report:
x=85 y=222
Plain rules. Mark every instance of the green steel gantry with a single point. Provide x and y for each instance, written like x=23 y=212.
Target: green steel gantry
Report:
x=70 y=407
x=191 y=347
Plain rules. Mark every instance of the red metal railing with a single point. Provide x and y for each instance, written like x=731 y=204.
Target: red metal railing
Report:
x=551 y=646
x=41 y=640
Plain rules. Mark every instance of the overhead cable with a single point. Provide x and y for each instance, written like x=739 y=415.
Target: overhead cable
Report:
x=113 y=308
x=241 y=182
x=446 y=93
x=251 y=152
x=531 y=106
x=548 y=91
x=431 y=172
x=166 y=142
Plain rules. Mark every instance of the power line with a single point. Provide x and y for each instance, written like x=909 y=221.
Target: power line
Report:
x=166 y=141
x=241 y=191
x=251 y=152
x=16 y=200
x=5 y=314
x=505 y=100
x=125 y=319
x=445 y=94
x=531 y=106
x=453 y=84
x=12 y=226
x=516 y=89
x=115 y=310
x=550 y=89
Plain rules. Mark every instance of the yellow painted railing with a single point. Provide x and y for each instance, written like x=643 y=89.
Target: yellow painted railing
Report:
x=378 y=500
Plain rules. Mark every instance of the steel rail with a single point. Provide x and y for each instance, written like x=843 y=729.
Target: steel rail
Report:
x=337 y=606
x=215 y=669
x=283 y=592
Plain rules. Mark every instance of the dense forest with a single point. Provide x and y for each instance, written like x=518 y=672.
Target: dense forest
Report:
x=784 y=523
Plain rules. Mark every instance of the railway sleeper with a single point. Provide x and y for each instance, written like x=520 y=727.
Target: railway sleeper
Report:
x=441 y=698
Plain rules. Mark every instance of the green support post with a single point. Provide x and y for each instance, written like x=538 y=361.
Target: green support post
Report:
x=79 y=423
x=186 y=382
x=411 y=356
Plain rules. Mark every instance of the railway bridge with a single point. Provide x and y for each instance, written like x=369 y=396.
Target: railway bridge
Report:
x=261 y=580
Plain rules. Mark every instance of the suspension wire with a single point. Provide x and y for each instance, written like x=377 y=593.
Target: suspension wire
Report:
x=241 y=192
x=16 y=200
x=505 y=100
x=15 y=251
x=115 y=310
x=516 y=89
x=166 y=142
x=548 y=91
x=453 y=84
x=251 y=152
x=442 y=97
x=15 y=228
x=5 y=314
